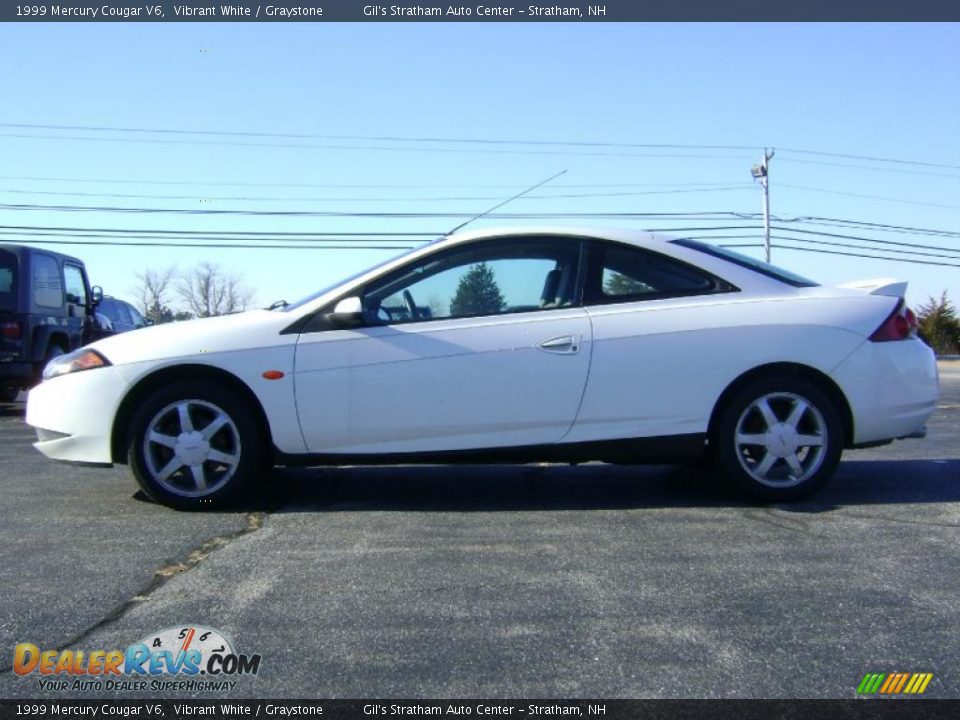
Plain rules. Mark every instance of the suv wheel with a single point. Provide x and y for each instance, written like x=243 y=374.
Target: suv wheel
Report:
x=195 y=446
x=779 y=439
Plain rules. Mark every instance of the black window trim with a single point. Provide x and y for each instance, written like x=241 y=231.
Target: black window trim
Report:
x=771 y=273
x=593 y=295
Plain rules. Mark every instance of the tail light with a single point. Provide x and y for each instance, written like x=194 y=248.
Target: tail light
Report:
x=900 y=325
x=11 y=330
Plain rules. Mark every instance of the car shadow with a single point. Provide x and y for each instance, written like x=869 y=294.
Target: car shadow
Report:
x=585 y=487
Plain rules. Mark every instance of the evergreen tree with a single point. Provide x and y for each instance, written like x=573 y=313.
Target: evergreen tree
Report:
x=477 y=293
x=619 y=284
x=939 y=325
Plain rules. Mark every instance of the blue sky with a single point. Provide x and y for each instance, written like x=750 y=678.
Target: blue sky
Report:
x=889 y=91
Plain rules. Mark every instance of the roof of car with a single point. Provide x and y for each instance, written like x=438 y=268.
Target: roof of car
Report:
x=26 y=250
x=637 y=237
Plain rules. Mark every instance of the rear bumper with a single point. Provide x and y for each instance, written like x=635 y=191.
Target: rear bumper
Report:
x=73 y=415
x=892 y=388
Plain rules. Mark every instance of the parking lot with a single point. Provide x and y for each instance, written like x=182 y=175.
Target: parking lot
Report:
x=589 y=581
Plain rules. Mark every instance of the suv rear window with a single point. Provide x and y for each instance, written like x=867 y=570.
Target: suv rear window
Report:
x=8 y=280
x=777 y=273
x=47 y=285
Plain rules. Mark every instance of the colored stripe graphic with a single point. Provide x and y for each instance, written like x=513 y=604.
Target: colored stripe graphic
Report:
x=870 y=683
x=918 y=683
x=894 y=683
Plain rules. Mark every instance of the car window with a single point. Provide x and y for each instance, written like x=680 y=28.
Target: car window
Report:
x=135 y=317
x=109 y=308
x=8 y=280
x=47 y=284
x=487 y=278
x=621 y=273
x=76 y=288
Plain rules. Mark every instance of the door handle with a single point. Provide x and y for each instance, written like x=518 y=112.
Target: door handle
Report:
x=564 y=345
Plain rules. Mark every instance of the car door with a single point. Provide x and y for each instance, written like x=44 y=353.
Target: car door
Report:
x=481 y=345
x=77 y=303
x=658 y=350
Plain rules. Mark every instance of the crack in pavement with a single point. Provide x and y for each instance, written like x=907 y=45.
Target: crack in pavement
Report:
x=161 y=577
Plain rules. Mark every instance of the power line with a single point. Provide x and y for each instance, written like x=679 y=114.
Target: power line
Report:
x=378 y=148
x=871 y=158
x=232 y=246
x=861 y=247
x=378 y=138
x=468 y=141
x=325 y=213
x=861 y=255
x=238 y=198
x=222 y=232
x=862 y=224
x=860 y=238
x=341 y=186
x=870 y=168
x=829 y=191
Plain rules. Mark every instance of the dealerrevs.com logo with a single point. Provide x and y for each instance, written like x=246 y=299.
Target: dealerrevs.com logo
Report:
x=181 y=659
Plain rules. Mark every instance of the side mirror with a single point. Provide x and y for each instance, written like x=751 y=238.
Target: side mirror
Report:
x=96 y=295
x=347 y=313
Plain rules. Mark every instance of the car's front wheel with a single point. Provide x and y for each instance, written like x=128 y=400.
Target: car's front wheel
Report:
x=779 y=439
x=195 y=446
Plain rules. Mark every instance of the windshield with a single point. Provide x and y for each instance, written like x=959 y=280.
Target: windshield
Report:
x=8 y=280
x=777 y=273
x=313 y=296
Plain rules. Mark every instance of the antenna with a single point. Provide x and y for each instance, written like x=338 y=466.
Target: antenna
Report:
x=500 y=205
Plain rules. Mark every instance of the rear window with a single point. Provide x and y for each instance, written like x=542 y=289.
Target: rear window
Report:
x=777 y=273
x=47 y=285
x=8 y=280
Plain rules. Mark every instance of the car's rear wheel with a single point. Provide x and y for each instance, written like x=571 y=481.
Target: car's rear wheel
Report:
x=195 y=446
x=779 y=439
x=9 y=393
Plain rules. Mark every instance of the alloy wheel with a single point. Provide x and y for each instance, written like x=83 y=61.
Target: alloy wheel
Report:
x=191 y=448
x=781 y=439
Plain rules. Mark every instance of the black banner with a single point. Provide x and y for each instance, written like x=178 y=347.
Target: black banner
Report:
x=887 y=709
x=493 y=11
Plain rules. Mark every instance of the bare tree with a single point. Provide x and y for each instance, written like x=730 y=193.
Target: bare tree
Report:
x=208 y=290
x=152 y=292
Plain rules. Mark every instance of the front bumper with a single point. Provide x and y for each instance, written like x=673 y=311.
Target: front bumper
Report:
x=74 y=413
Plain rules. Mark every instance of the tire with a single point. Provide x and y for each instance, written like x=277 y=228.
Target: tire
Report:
x=9 y=393
x=780 y=466
x=208 y=463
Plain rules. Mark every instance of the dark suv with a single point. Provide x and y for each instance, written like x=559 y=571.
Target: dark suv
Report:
x=121 y=316
x=46 y=309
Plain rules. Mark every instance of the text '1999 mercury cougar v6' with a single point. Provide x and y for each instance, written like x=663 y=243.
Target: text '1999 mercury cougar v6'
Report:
x=507 y=346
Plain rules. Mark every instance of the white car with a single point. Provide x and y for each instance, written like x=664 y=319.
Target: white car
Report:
x=509 y=346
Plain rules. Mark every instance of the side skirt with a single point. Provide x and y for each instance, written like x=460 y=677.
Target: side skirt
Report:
x=662 y=449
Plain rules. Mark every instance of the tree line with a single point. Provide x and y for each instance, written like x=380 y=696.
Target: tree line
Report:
x=167 y=294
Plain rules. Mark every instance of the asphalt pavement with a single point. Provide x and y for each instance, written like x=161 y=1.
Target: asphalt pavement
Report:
x=547 y=582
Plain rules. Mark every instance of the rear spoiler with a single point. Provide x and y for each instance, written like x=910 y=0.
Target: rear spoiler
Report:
x=883 y=286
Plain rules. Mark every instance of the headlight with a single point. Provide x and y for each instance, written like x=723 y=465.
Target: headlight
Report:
x=82 y=359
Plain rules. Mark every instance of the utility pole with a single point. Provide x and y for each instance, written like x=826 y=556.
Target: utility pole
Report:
x=761 y=172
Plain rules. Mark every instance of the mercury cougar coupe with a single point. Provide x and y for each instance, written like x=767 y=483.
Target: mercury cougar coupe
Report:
x=509 y=346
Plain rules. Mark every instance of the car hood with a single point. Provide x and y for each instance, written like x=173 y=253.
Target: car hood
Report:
x=227 y=333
